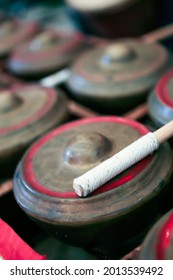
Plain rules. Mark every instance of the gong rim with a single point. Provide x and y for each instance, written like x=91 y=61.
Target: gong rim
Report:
x=160 y=102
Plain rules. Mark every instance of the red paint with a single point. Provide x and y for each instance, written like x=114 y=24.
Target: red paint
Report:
x=162 y=91
x=24 y=30
x=24 y=54
x=164 y=238
x=51 y=97
x=32 y=180
x=12 y=247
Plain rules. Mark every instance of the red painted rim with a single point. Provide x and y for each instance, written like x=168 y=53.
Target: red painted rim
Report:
x=164 y=238
x=73 y=43
x=33 y=181
x=47 y=106
x=24 y=30
x=162 y=91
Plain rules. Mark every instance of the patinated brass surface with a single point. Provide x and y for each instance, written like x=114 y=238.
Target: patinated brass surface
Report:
x=117 y=76
x=47 y=52
x=77 y=150
x=26 y=112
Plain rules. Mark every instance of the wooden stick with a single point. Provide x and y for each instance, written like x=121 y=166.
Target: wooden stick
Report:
x=79 y=110
x=158 y=34
x=6 y=187
x=164 y=133
x=113 y=166
x=137 y=113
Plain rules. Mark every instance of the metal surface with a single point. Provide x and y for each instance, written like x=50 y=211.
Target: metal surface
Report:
x=46 y=173
x=115 y=78
x=13 y=32
x=160 y=102
x=26 y=112
x=47 y=52
x=158 y=242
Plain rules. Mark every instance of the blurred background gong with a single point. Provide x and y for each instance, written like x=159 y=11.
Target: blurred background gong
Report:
x=158 y=244
x=13 y=32
x=26 y=112
x=116 y=77
x=44 y=178
x=114 y=18
x=160 y=102
x=48 y=51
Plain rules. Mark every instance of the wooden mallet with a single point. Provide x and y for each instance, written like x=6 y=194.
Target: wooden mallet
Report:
x=99 y=175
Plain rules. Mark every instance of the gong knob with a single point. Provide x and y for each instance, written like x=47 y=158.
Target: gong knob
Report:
x=42 y=41
x=8 y=101
x=86 y=148
x=117 y=52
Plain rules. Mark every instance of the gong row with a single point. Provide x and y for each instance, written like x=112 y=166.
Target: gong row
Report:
x=111 y=78
x=29 y=110
x=114 y=78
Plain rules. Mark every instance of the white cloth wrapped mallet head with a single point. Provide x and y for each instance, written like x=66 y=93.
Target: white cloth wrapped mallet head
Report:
x=99 y=175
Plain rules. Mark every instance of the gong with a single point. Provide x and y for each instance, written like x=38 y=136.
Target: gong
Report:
x=158 y=244
x=116 y=77
x=48 y=51
x=160 y=101
x=118 y=211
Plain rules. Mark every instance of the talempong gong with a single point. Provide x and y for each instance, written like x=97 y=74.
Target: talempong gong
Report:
x=48 y=51
x=160 y=101
x=111 y=216
x=158 y=244
x=13 y=32
x=116 y=77
x=115 y=18
x=26 y=112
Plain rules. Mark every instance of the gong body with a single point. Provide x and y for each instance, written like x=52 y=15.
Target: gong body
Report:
x=48 y=51
x=115 y=18
x=118 y=76
x=13 y=32
x=160 y=102
x=158 y=244
x=26 y=112
x=111 y=216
